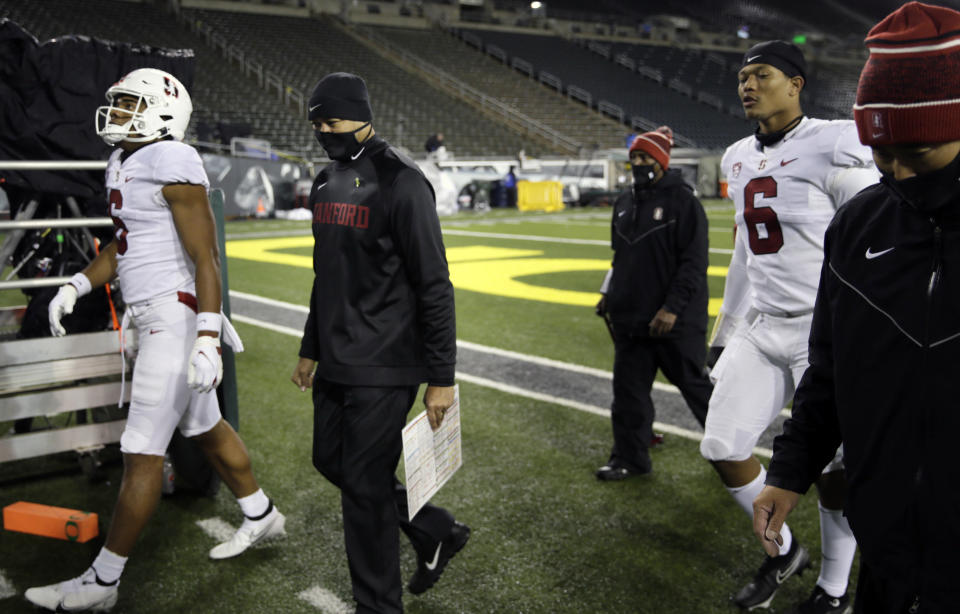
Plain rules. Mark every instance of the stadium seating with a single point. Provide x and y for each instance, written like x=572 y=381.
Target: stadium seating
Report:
x=220 y=92
x=517 y=90
x=638 y=95
x=542 y=76
x=407 y=109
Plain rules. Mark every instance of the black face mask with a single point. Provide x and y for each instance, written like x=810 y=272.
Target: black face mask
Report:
x=643 y=175
x=342 y=146
x=929 y=191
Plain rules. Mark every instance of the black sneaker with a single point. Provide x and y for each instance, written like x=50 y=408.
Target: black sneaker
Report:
x=820 y=602
x=774 y=572
x=428 y=571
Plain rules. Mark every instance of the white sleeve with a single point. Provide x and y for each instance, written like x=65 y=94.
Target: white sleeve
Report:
x=606 y=281
x=844 y=183
x=180 y=163
x=736 y=290
x=736 y=295
x=853 y=167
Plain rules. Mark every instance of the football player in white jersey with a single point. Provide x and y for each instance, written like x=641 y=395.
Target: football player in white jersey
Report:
x=786 y=181
x=165 y=254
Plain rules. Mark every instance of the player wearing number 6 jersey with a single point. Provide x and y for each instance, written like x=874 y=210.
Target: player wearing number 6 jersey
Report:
x=165 y=255
x=786 y=181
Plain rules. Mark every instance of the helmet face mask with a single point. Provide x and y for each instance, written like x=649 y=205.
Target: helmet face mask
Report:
x=162 y=108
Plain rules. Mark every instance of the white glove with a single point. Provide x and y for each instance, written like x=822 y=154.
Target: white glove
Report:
x=61 y=305
x=65 y=300
x=205 y=370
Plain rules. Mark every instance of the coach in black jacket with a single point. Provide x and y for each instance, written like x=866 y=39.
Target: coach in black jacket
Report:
x=381 y=322
x=655 y=300
x=884 y=374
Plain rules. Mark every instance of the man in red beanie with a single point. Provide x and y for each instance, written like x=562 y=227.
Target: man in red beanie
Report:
x=787 y=181
x=655 y=299
x=885 y=340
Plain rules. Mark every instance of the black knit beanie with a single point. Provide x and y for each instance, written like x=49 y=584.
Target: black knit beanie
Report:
x=341 y=95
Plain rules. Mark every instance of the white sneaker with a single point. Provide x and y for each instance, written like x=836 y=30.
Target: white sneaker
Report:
x=249 y=533
x=84 y=593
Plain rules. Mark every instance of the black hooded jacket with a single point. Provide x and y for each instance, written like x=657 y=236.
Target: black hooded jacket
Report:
x=884 y=379
x=382 y=306
x=659 y=239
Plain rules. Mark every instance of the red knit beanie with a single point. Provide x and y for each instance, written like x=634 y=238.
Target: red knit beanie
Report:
x=656 y=143
x=909 y=89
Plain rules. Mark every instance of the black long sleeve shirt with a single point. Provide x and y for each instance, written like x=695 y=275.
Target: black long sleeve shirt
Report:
x=659 y=238
x=884 y=379
x=382 y=305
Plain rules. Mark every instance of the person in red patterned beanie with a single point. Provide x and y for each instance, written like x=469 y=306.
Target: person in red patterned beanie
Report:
x=654 y=301
x=651 y=152
x=885 y=339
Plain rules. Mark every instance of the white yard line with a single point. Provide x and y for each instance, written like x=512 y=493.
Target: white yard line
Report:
x=539 y=360
x=285 y=330
x=529 y=218
x=541 y=239
x=584 y=407
x=271 y=302
x=324 y=600
x=217 y=528
x=530 y=394
x=6 y=586
x=518 y=237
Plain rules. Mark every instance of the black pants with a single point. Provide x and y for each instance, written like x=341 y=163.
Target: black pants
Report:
x=635 y=366
x=879 y=595
x=356 y=445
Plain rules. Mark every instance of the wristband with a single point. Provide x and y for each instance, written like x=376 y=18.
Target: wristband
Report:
x=209 y=321
x=82 y=283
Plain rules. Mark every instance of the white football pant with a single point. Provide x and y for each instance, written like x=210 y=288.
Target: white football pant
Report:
x=754 y=379
x=160 y=399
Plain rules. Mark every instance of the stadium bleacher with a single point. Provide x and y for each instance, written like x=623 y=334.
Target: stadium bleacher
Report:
x=515 y=89
x=407 y=109
x=607 y=80
x=220 y=92
x=546 y=77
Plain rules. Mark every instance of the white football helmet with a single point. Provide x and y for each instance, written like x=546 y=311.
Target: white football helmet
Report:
x=164 y=108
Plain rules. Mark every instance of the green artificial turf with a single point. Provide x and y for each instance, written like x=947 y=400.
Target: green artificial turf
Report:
x=547 y=536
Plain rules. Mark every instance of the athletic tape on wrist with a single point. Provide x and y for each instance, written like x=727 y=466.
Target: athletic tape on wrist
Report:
x=207 y=320
x=82 y=283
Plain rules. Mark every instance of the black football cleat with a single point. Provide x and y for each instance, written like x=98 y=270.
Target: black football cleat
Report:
x=819 y=602
x=772 y=573
x=428 y=571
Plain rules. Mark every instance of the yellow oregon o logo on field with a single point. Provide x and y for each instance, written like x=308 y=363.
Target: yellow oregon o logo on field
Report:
x=478 y=268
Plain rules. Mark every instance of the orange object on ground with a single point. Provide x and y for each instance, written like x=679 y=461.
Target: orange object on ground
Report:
x=50 y=521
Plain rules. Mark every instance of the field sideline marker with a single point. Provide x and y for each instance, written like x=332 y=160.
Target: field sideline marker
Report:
x=324 y=600
x=488 y=383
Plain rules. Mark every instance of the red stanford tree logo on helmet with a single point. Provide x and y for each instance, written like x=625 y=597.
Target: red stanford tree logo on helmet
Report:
x=168 y=86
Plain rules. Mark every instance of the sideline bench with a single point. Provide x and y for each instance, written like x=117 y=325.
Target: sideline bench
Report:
x=52 y=375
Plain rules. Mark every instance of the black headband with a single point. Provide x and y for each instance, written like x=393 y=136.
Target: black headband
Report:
x=782 y=55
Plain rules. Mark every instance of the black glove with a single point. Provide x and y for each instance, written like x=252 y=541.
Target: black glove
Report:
x=713 y=355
